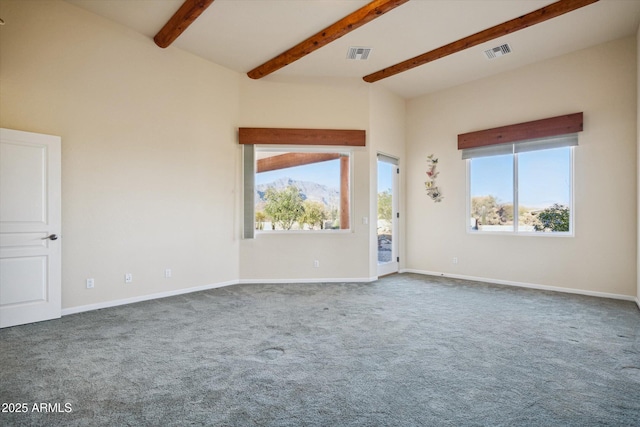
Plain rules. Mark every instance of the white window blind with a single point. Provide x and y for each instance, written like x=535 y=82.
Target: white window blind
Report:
x=249 y=176
x=568 y=140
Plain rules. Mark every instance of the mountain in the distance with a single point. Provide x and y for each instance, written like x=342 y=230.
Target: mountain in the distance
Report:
x=330 y=197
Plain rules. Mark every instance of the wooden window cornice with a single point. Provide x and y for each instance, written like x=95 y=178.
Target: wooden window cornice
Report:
x=545 y=128
x=286 y=136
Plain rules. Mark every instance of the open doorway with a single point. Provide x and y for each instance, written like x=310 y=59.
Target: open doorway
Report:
x=387 y=218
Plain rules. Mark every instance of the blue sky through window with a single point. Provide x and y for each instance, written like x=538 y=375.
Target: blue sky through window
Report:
x=544 y=177
x=385 y=176
x=493 y=176
x=324 y=173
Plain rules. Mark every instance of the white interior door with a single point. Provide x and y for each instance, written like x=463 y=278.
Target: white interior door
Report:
x=30 y=223
x=387 y=221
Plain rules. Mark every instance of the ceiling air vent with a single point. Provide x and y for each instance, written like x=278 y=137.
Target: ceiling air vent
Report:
x=358 y=53
x=498 y=51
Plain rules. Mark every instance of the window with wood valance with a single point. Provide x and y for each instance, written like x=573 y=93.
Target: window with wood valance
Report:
x=520 y=177
x=537 y=134
x=272 y=154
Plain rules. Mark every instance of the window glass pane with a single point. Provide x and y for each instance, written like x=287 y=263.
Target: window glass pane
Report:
x=386 y=172
x=544 y=190
x=298 y=190
x=491 y=191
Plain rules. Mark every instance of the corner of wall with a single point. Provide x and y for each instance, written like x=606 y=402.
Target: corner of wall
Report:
x=387 y=126
x=638 y=161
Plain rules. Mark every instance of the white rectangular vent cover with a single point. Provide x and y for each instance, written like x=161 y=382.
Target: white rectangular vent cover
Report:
x=359 y=53
x=498 y=51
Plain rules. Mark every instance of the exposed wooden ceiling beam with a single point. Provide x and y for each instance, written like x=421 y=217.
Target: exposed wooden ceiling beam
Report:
x=188 y=12
x=290 y=160
x=548 y=12
x=333 y=32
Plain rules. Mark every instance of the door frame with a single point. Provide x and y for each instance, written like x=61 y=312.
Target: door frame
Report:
x=394 y=265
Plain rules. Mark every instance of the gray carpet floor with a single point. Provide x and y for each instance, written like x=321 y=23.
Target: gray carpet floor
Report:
x=406 y=350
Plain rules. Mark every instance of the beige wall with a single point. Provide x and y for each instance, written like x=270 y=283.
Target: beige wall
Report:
x=151 y=164
x=311 y=103
x=324 y=103
x=601 y=82
x=638 y=165
x=147 y=135
x=387 y=136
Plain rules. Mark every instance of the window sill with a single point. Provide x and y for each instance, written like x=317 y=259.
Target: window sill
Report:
x=302 y=232
x=522 y=233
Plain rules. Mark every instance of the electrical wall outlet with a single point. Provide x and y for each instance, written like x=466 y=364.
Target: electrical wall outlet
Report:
x=316 y=263
x=454 y=260
x=90 y=283
x=128 y=278
x=167 y=273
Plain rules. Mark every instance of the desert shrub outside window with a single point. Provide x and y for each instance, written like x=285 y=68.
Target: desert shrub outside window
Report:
x=302 y=189
x=522 y=188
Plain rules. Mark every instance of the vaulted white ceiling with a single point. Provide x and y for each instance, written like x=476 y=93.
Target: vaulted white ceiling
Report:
x=243 y=34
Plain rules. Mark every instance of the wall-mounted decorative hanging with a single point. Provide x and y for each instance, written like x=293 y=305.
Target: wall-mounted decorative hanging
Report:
x=433 y=190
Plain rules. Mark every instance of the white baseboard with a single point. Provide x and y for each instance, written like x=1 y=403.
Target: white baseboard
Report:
x=115 y=303
x=525 y=285
x=330 y=280
x=638 y=302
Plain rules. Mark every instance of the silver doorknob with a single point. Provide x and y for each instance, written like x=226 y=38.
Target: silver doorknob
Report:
x=51 y=237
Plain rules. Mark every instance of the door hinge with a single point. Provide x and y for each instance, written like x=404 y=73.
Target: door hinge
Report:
x=397 y=170
x=397 y=214
x=398 y=259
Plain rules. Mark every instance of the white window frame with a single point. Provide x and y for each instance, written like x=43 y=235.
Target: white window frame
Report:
x=343 y=150
x=515 y=231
